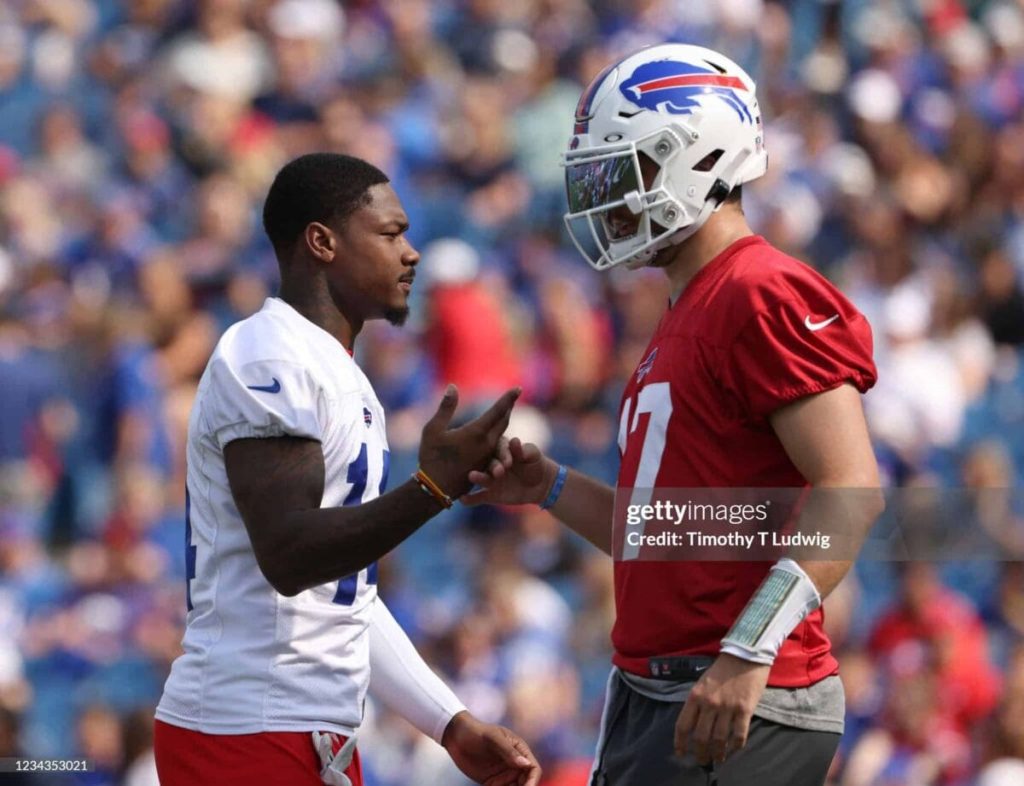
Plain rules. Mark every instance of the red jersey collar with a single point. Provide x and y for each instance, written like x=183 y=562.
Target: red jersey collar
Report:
x=718 y=261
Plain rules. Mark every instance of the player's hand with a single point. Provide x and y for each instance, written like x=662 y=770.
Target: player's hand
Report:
x=519 y=477
x=715 y=720
x=488 y=754
x=447 y=455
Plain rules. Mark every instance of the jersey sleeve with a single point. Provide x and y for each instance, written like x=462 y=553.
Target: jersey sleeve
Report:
x=261 y=398
x=796 y=348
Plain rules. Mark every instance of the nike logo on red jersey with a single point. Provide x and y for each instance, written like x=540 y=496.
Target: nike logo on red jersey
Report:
x=812 y=326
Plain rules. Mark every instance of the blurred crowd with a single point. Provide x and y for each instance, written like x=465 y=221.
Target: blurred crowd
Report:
x=137 y=140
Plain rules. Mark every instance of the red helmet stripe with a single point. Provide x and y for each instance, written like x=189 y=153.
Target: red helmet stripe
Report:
x=693 y=80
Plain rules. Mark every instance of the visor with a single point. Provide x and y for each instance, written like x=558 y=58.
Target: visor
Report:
x=596 y=183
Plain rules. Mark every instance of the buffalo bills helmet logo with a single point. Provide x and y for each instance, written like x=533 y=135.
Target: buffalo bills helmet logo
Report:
x=674 y=87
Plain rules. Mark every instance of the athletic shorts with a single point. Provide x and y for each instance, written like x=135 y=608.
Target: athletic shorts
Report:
x=636 y=749
x=271 y=758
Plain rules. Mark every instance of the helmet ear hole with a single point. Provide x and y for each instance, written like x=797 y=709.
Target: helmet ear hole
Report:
x=707 y=163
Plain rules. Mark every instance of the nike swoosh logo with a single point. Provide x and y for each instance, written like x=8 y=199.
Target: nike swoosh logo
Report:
x=812 y=326
x=275 y=388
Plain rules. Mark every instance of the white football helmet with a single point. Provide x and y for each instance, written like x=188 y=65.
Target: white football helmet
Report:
x=689 y=110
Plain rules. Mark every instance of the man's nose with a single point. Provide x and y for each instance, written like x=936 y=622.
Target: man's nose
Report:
x=411 y=256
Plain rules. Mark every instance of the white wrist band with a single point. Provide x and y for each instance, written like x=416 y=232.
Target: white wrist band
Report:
x=785 y=597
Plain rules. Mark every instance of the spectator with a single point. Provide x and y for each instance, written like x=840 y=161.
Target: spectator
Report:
x=469 y=334
x=931 y=628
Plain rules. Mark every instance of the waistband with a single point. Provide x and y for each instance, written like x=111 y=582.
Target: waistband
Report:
x=679 y=668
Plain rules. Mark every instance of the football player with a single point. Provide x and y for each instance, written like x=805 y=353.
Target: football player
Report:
x=287 y=515
x=722 y=670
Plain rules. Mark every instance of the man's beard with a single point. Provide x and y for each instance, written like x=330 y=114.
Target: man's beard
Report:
x=397 y=316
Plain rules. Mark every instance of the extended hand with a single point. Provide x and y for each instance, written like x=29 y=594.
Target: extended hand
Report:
x=488 y=754
x=716 y=717
x=524 y=480
x=448 y=454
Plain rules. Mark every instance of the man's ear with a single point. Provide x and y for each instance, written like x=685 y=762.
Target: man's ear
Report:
x=321 y=241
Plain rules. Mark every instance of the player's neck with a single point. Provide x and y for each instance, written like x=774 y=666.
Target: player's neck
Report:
x=315 y=303
x=721 y=230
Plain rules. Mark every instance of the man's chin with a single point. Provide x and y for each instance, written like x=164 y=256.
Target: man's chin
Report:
x=397 y=315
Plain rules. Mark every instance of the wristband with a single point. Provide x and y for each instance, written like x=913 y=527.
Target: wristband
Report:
x=785 y=597
x=431 y=488
x=556 y=487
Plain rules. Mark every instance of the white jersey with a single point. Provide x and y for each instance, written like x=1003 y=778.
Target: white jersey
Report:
x=256 y=660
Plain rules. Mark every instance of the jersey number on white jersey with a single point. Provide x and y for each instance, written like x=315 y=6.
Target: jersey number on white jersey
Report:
x=357 y=472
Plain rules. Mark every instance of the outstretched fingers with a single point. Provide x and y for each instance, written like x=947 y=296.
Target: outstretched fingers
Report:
x=495 y=420
x=445 y=411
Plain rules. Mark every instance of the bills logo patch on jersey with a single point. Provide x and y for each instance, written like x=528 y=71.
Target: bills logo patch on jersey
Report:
x=670 y=86
x=645 y=368
x=367 y=417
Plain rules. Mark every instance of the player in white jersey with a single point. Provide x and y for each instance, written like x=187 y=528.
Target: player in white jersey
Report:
x=286 y=515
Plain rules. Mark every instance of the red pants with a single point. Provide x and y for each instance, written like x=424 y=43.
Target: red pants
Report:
x=271 y=758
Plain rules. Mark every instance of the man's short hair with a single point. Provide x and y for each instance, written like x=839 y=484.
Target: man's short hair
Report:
x=320 y=187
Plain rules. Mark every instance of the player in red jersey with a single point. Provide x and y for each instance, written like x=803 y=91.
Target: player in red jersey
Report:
x=722 y=671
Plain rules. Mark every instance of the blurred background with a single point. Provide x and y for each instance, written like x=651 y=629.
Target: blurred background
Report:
x=137 y=140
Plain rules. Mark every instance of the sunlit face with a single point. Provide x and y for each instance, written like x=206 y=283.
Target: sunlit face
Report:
x=374 y=267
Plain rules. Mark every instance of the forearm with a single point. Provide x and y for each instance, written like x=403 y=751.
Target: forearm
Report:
x=403 y=681
x=798 y=583
x=826 y=438
x=586 y=506
x=844 y=511
x=327 y=544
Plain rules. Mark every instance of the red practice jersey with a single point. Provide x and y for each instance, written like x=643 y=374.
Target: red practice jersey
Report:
x=753 y=331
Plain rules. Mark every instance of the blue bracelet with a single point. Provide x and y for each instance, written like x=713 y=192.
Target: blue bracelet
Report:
x=556 y=488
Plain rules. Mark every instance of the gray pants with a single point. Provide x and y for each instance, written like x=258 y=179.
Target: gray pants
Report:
x=636 y=749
